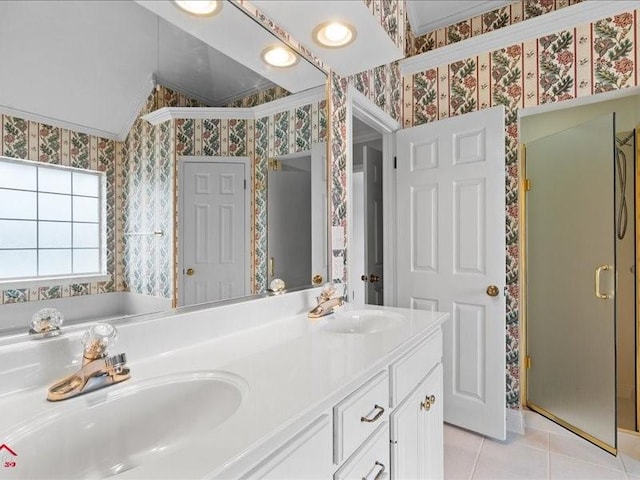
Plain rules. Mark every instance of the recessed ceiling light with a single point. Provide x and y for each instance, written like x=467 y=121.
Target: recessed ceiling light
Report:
x=199 y=7
x=334 y=34
x=279 y=56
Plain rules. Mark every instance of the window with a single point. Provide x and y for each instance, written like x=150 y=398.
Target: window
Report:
x=51 y=221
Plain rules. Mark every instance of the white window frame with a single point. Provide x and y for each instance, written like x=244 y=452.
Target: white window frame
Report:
x=59 y=280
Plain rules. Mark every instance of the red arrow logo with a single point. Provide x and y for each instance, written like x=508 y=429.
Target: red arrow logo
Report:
x=6 y=447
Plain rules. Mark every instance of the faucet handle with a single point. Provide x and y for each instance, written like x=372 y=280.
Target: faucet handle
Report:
x=117 y=363
x=328 y=290
x=98 y=339
x=46 y=321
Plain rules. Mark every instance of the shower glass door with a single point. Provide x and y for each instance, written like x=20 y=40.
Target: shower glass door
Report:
x=570 y=279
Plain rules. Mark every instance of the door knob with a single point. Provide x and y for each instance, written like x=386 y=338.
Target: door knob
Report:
x=493 y=291
x=364 y=278
x=317 y=279
x=374 y=278
x=190 y=271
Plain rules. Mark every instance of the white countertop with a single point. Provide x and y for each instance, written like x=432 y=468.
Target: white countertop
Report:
x=291 y=366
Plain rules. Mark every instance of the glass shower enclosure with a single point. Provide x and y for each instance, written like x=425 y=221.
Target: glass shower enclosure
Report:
x=571 y=279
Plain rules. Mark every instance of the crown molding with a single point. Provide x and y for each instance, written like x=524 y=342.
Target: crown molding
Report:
x=282 y=104
x=54 y=122
x=305 y=97
x=165 y=114
x=568 y=17
x=472 y=9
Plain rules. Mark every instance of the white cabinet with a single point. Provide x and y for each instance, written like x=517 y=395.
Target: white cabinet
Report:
x=306 y=456
x=390 y=424
x=416 y=432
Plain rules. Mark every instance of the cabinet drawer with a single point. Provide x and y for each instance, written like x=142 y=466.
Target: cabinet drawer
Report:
x=357 y=416
x=370 y=461
x=411 y=368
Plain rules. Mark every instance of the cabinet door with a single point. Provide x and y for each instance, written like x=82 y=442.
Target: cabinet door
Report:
x=306 y=456
x=416 y=432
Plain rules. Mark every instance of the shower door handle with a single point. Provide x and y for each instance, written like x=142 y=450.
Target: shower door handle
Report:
x=598 y=293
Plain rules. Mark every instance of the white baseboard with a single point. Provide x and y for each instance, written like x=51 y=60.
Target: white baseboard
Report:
x=515 y=421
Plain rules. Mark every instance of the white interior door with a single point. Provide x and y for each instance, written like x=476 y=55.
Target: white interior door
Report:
x=451 y=255
x=319 y=247
x=213 y=239
x=373 y=247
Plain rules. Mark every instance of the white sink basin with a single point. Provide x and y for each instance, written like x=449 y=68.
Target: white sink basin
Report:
x=362 y=321
x=111 y=431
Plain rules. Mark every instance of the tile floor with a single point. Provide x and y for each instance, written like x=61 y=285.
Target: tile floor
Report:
x=546 y=451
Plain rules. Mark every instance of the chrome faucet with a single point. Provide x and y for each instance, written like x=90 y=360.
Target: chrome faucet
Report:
x=98 y=369
x=327 y=303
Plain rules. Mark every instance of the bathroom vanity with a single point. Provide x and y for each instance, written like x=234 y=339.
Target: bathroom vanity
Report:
x=247 y=390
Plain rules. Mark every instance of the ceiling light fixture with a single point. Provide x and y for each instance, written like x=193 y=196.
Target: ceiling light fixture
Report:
x=199 y=7
x=279 y=56
x=334 y=34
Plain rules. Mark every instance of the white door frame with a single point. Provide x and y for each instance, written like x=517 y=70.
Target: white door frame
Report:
x=248 y=194
x=379 y=120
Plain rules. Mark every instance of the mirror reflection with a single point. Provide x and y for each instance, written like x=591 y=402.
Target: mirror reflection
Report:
x=297 y=217
x=83 y=76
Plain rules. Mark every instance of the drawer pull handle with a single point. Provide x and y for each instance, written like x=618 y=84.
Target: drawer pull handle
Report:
x=428 y=401
x=380 y=474
x=376 y=417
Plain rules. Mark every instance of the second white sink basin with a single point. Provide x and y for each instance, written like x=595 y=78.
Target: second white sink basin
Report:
x=362 y=321
x=111 y=431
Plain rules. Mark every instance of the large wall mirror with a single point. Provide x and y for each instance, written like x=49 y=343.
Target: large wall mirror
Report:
x=80 y=79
